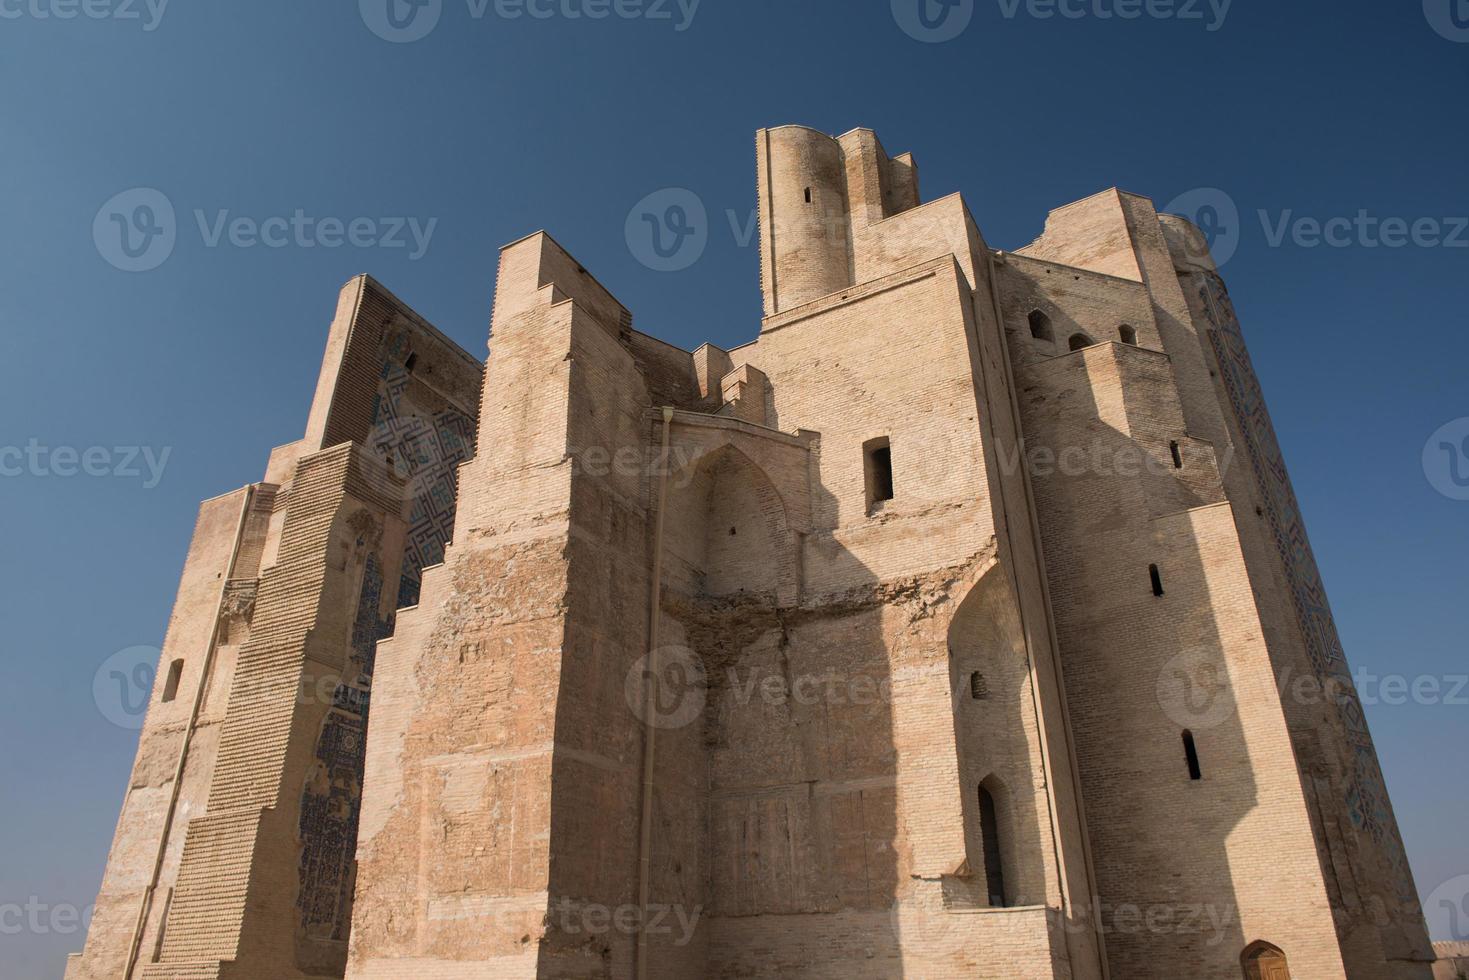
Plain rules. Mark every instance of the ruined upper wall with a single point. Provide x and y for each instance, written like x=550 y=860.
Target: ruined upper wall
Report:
x=370 y=320
x=1089 y=234
x=818 y=195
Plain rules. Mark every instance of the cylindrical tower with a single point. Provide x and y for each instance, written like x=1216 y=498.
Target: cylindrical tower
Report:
x=805 y=230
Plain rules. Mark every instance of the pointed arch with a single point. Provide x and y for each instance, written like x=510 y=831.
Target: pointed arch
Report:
x=994 y=828
x=1040 y=326
x=1264 y=961
x=728 y=526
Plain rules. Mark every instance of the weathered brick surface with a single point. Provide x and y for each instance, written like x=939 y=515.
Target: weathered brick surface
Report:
x=725 y=711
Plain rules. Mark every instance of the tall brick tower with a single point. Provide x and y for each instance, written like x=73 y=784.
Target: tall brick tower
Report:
x=234 y=851
x=949 y=628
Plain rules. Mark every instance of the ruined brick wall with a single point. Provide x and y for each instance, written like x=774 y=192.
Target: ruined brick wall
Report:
x=936 y=735
x=307 y=581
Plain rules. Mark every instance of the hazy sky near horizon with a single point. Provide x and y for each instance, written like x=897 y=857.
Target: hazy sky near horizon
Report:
x=184 y=187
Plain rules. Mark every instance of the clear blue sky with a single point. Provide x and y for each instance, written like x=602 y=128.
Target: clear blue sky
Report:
x=497 y=127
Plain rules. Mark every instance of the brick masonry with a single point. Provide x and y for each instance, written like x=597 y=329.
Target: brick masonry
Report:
x=662 y=684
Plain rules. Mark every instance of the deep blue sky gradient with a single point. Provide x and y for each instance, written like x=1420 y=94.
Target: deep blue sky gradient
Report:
x=498 y=128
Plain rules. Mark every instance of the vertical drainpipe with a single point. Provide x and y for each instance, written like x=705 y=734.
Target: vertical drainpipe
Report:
x=146 y=905
x=650 y=730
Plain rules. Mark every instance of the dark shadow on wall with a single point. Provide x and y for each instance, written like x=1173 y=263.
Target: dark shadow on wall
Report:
x=1141 y=670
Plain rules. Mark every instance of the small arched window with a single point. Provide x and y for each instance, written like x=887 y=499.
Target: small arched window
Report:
x=979 y=688
x=1079 y=341
x=171 y=682
x=1128 y=334
x=989 y=828
x=1040 y=326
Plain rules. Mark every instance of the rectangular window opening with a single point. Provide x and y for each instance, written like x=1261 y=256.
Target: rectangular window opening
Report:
x=878 y=455
x=1157 y=578
x=1191 y=753
x=1177 y=455
x=171 y=683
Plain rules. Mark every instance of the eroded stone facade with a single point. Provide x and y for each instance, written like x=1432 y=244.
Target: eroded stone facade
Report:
x=946 y=629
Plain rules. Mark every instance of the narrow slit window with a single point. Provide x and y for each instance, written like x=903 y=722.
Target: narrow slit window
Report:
x=808 y=195
x=1177 y=455
x=171 y=683
x=1157 y=578
x=989 y=829
x=1191 y=754
x=879 y=459
x=1128 y=334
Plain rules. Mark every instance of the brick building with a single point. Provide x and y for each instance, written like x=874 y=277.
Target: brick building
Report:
x=962 y=624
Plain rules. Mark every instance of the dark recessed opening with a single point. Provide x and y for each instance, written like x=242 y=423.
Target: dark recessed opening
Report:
x=808 y=195
x=411 y=363
x=171 y=683
x=979 y=688
x=1177 y=455
x=879 y=466
x=1157 y=578
x=1128 y=334
x=1040 y=326
x=1191 y=753
x=989 y=830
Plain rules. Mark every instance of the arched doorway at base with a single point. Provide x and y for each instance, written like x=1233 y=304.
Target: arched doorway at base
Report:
x=1262 y=961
